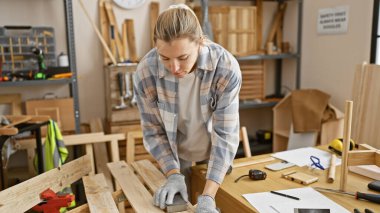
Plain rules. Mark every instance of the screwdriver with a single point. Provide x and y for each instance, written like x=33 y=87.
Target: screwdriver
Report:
x=375 y=198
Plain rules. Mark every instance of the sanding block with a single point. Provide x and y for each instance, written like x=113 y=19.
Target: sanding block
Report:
x=178 y=205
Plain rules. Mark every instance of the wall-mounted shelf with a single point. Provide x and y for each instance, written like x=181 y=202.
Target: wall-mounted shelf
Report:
x=36 y=82
x=255 y=105
x=263 y=57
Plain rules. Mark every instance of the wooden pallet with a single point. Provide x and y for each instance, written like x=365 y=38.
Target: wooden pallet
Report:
x=25 y=195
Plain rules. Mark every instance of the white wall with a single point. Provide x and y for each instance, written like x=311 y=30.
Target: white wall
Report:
x=328 y=61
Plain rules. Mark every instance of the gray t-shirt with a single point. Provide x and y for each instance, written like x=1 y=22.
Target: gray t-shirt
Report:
x=193 y=139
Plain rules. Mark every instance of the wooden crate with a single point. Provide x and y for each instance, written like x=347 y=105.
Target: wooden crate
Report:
x=253 y=83
x=234 y=27
x=112 y=95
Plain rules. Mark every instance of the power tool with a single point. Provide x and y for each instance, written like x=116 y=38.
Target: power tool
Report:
x=336 y=145
x=40 y=74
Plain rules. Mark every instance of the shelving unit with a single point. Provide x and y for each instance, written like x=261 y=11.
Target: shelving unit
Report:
x=278 y=73
x=71 y=82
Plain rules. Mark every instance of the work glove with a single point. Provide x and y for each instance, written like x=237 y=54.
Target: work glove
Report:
x=165 y=194
x=206 y=204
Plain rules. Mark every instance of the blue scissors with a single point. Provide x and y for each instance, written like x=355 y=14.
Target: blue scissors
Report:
x=316 y=162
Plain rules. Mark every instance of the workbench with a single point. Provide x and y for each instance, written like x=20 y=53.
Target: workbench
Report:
x=229 y=196
x=30 y=123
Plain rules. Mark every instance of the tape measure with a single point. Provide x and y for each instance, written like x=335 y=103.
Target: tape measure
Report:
x=336 y=145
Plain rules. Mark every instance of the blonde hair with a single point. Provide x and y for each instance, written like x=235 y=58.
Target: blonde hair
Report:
x=178 y=21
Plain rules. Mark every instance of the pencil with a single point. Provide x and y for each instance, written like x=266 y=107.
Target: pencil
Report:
x=285 y=195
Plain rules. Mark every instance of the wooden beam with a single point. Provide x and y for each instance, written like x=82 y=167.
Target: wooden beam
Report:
x=99 y=197
x=101 y=153
x=112 y=21
x=25 y=195
x=275 y=23
x=154 y=12
x=131 y=39
x=104 y=28
x=346 y=145
x=136 y=193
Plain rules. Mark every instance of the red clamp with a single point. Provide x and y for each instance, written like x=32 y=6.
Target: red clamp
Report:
x=51 y=202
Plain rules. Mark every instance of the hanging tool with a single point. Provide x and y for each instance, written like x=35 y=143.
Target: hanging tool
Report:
x=254 y=174
x=120 y=84
x=52 y=203
x=375 y=198
x=134 y=100
x=128 y=91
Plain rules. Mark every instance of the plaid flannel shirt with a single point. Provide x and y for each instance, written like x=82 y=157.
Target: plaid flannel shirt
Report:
x=156 y=91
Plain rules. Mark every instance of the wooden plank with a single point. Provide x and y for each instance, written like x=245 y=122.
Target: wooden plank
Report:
x=25 y=195
x=124 y=39
x=131 y=39
x=139 y=197
x=112 y=20
x=275 y=23
x=154 y=12
x=259 y=23
x=152 y=177
x=81 y=139
x=98 y=194
x=118 y=197
x=104 y=28
x=130 y=149
x=252 y=162
x=89 y=151
x=100 y=152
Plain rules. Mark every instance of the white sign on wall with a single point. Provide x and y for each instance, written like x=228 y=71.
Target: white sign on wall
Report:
x=333 y=20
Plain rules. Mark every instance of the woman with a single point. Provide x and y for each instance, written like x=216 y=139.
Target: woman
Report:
x=187 y=90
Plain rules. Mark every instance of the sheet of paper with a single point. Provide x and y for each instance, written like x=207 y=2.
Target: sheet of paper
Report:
x=309 y=198
x=301 y=157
